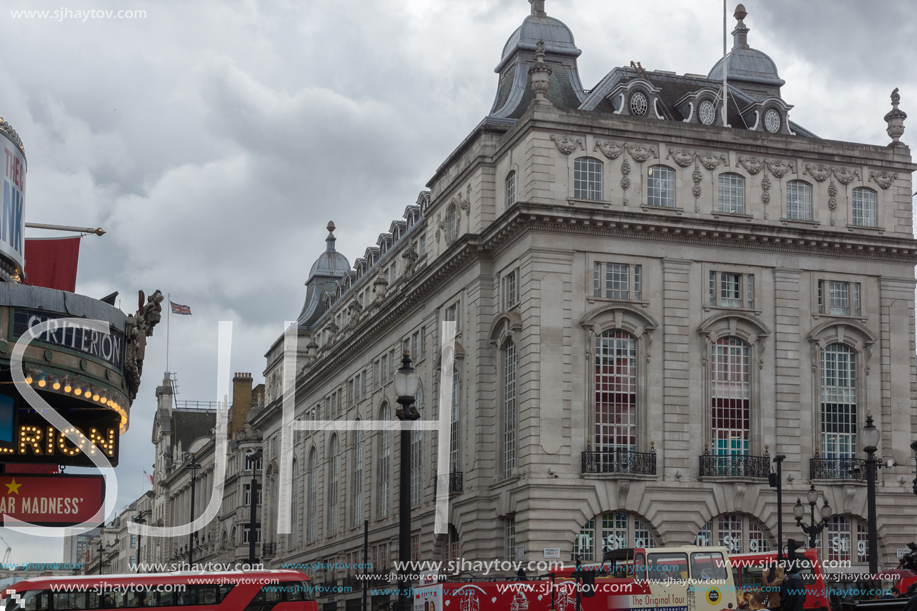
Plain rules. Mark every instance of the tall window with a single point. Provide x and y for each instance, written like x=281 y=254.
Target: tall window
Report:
x=356 y=511
x=842 y=546
x=294 y=518
x=839 y=298
x=509 y=537
x=451 y=545
x=610 y=531
x=313 y=496
x=584 y=546
x=509 y=409
x=660 y=187
x=615 y=391
x=838 y=402
x=511 y=189
x=798 y=200
x=735 y=532
x=417 y=455
x=384 y=458
x=587 y=178
x=730 y=392
x=455 y=462
x=333 y=471
x=510 y=296
x=617 y=281
x=864 y=207
x=731 y=194
x=452 y=222
x=731 y=290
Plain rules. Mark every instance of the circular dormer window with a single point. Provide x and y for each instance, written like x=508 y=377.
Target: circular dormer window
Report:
x=772 y=121
x=638 y=104
x=707 y=112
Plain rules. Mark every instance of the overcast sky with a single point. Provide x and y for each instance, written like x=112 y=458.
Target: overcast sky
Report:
x=214 y=140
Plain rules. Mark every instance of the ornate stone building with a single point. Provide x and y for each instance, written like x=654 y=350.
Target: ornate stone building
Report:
x=652 y=299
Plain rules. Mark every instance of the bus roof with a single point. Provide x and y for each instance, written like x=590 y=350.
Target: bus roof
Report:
x=175 y=577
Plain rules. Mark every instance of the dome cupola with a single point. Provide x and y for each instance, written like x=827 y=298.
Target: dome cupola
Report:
x=753 y=69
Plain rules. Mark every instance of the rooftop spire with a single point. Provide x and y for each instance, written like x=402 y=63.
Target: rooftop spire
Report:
x=330 y=239
x=538 y=8
x=740 y=33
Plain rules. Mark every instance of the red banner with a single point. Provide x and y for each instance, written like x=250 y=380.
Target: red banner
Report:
x=52 y=500
x=52 y=262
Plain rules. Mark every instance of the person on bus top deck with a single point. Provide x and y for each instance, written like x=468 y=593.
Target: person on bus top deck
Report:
x=792 y=590
x=773 y=587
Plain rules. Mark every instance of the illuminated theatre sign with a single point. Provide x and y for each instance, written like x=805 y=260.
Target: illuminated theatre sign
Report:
x=86 y=375
x=51 y=500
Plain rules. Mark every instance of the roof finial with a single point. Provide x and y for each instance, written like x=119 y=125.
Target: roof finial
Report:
x=538 y=8
x=895 y=119
x=540 y=73
x=740 y=33
x=330 y=239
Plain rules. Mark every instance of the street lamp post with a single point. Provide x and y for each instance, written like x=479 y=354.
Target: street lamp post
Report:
x=870 y=445
x=815 y=526
x=914 y=447
x=101 y=551
x=139 y=519
x=776 y=481
x=406 y=385
x=252 y=462
x=193 y=466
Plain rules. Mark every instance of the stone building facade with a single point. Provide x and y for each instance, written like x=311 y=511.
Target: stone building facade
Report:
x=652 y=298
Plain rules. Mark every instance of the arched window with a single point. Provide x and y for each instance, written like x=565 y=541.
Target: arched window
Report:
x=417 y=455
x=587 y=178
x=455 y=428
x=294 y=517
x=730 y=394
x=615 y=398
x=356 y=509
x=384 y=458
x=864 y=207
x=731 y=194
x=838 y=402
x=313 y=496
x=509 y=409
x=735 y=532
x=798 y=200
x=511 y=189
x=610 y=531
x=847 y=540
x=333 y=472
x=660 y=186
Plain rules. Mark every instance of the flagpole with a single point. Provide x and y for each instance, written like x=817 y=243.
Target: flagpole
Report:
x=168 y=331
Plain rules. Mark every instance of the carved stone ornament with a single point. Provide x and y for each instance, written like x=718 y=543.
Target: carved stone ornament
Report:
x=139 y=326
x=766 y=195
x=818 y=171
x=832 y=201
x=609 y=148
x=895 y=119
x=625 y=180
x=540 y=73
x=752 y=165
x=439 y=226
x=567 y=144
x=780 y=168
x=696 y=176
x=641 y=153
x=683 y=157
x=410 y=257
x=711 y=161
x=883 y=179
x=845 y=176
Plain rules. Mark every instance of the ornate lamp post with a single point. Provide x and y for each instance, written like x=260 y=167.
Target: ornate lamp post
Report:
x=406 y=385
x=139 y=519
x=193 y=466
x=870 y=445
x=815 y=526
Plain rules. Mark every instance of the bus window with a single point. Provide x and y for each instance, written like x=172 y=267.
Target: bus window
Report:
x=166 y=599
x=225 y=589
x=667 y=566
x=707 y=566
x=640 y=567
x=38 y=601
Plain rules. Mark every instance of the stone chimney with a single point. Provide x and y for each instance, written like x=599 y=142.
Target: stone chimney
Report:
x=241 y=402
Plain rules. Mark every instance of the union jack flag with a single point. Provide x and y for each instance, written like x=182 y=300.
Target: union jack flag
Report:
x=180 y=309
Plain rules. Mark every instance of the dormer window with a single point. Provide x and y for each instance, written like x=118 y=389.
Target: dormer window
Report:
x=772 y=120
x=707 y=112
x=638 y=104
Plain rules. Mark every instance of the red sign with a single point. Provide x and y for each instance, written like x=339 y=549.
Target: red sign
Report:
x=52 y=500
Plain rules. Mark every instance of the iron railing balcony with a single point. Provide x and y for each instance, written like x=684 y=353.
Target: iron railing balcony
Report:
x=620 y=461
x=845 y=467
x=734 y=465
x=455 y=480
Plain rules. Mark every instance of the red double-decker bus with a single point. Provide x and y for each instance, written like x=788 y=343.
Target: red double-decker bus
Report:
x=282 y=590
